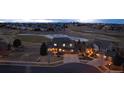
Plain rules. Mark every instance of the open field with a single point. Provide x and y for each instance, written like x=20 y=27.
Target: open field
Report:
x=32 y=39
x=10 y=35
x=31 y=44
x=31 y=53
x=70 y=31
x=90 y=34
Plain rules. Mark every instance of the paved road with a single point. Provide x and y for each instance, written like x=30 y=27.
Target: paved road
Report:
x=69 y=58
x=66 y=68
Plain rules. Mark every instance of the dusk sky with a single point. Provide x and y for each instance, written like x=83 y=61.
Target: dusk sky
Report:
x=113 y=21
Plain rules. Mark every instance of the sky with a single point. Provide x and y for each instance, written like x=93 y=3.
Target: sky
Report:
x=107 y=21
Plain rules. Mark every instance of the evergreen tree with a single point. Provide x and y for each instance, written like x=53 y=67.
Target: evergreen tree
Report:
x=43 y=49
x=79 y=45
x=17 y=43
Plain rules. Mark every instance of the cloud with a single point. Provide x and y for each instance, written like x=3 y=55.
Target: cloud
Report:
x=87 y=20
x=24 y=20
x=114 y=21
x=38 y=20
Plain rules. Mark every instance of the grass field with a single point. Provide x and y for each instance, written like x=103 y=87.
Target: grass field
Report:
x=91 y=34
x=32 y=39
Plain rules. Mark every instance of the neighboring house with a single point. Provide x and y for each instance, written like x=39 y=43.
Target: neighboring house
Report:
x=103 y=45
x=61 y=44
x=120 y=49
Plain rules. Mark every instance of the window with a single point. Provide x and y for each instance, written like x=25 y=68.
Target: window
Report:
x=60 y=49
x=63 y=44
x=55 y=44
x=70 y=45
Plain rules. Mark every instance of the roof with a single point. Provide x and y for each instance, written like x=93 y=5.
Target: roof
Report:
x=103 y=43
x=61 y=39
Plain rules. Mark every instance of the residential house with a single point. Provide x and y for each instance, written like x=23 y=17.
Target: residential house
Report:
x=62 y=44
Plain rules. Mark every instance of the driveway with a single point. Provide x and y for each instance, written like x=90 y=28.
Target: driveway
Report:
x=70 y=58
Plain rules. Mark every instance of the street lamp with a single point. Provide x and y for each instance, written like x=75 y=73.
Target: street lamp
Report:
x=109 y=67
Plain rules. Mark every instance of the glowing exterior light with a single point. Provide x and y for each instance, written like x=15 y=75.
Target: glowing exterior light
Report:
x=89 y=52
x=49 y=49
x=55 y=44
x=60 y=50
x=64 y=45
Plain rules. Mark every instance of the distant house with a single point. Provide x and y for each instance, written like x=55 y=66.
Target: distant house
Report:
x=61 y=44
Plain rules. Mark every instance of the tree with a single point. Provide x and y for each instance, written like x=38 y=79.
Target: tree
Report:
x=79 y=45
x=117 y=59
x=83 y=46
x=43 y=49
x=17 y=43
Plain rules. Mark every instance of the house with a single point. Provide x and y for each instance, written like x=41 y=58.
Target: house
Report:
x=103 y=45
x=61 y=44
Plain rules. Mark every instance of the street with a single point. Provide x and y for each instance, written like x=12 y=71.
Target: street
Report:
x=65 y=68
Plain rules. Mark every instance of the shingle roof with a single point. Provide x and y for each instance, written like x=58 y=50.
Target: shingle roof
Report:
x=61 y=39
x=102 y=43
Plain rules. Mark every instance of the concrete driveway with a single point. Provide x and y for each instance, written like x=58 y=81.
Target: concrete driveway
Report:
x=70 y=58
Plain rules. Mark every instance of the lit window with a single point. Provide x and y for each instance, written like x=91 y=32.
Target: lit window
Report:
x=64 y=45
x=49 y=49
x=60 y=50
x=55 y=44
x=70 y=45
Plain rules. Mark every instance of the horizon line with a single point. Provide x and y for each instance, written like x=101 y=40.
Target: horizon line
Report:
x=106 y=21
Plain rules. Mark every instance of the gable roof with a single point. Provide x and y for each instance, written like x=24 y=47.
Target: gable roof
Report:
x=61 y=39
